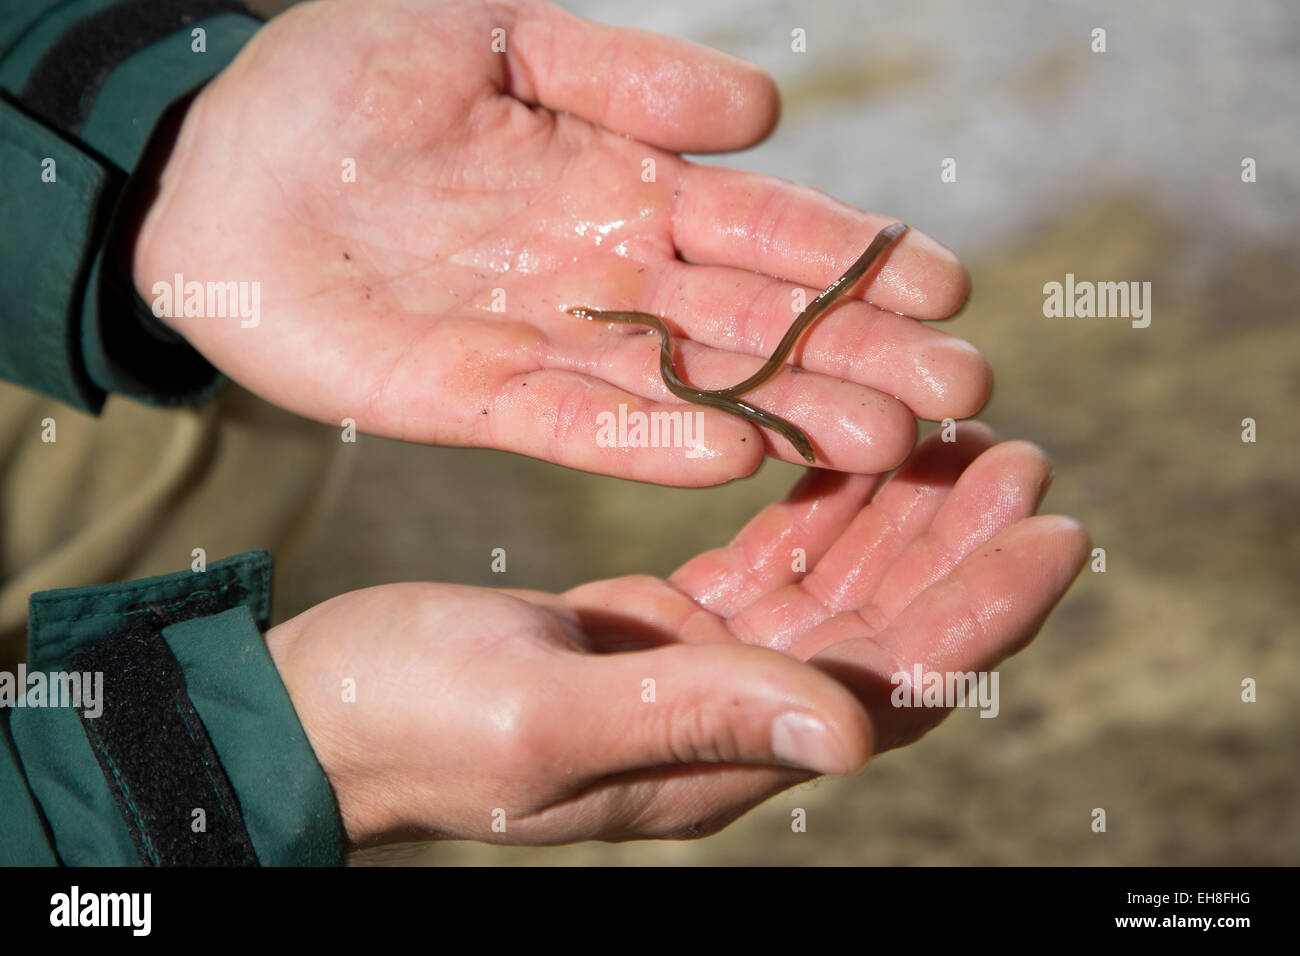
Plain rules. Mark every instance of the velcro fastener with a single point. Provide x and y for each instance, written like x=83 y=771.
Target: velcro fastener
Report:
x=62 y=89
x=155 y=753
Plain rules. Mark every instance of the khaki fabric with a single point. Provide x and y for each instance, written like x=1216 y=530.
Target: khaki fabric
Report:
x=133 y=492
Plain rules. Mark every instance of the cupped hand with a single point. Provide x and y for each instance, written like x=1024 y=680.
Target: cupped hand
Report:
x=421 y=189
x=637 y=707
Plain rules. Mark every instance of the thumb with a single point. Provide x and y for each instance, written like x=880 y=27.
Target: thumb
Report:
x=663 y=91
x=718 y=703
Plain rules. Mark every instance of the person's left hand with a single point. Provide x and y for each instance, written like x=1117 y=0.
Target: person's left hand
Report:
x=471 y=700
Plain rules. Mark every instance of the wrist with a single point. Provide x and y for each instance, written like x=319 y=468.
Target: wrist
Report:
x=366 y=820
x=146 y=195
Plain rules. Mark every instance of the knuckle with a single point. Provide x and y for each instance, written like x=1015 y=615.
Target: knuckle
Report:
x=696 y=734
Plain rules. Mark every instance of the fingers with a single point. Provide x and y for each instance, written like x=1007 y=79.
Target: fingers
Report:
x=474 y=383
x=638 y=612
x=937 y=375
x=588 y=424
x=852 y=428
x=775 y=548
x=852 y=570
x=988 y=609
x=860 y=557
x=663 y=91
x=483 y=384
x=1001 y=487
x=750 y=221
x=711 y=703
x=678 y=802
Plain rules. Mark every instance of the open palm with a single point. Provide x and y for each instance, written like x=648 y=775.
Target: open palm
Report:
x=420 y=208
x=636 y=707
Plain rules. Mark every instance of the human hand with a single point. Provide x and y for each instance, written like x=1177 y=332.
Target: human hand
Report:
x=471 y=701
x=515 y=180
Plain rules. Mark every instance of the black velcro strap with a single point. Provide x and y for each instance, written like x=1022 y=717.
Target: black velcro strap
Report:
x=63 y=87
x=156 y=754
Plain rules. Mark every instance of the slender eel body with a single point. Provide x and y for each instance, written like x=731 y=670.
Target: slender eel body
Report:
x=726 y=398
x=728 y=403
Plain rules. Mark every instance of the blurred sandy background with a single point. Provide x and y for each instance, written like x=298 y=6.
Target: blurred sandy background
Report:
x=1115 y=167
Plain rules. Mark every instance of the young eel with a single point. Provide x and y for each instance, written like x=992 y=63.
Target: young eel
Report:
x=726 y=398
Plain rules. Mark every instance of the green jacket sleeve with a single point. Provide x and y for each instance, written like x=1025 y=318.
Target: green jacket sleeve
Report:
x=149 y=726
x=83 y=84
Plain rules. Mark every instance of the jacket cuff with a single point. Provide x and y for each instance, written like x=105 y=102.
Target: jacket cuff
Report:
x=196 y=755
x=47 y=265
x=24 y=840
x=95 y=78
x=288 y=806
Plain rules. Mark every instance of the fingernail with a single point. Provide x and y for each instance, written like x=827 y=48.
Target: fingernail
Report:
x=802 y=741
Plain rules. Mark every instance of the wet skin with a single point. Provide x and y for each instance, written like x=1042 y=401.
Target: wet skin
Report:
x=726 y=398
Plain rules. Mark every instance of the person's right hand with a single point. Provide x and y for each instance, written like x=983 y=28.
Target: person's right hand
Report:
x=637 y=707
x=514 y=180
